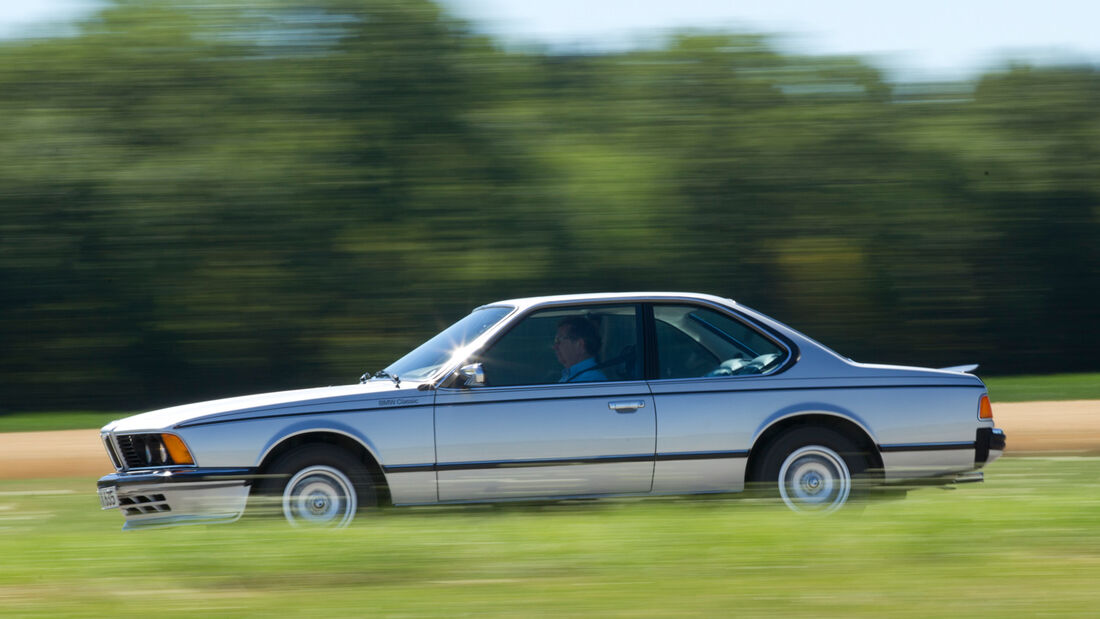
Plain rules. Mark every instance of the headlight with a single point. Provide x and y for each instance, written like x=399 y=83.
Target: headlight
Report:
x=146 y=450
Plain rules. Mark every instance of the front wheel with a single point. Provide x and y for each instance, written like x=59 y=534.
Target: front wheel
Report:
x=319 y=485
x=812 y=469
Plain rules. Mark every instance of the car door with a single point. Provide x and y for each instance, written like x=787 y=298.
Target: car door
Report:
x=710 y=385
x=524 y=433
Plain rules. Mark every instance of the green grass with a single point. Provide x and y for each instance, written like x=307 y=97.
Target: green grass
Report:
x=1025 y=542
x=37 y=422
x=1050 y=387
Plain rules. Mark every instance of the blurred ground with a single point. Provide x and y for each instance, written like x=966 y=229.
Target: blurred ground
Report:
x=1031 y=426
x=1072 y=425
x=62 y=453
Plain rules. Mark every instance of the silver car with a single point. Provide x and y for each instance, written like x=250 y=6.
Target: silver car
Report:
x=561 y=397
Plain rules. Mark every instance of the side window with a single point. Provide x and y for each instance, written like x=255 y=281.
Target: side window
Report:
x=567 y=345
x=694 y=342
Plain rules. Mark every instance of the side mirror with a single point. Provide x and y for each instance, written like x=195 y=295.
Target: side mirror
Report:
x=474 y=375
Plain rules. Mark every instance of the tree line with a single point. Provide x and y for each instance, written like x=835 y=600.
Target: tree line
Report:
x=204 y=199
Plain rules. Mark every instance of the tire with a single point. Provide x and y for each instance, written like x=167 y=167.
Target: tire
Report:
x=813 y=470
x=318 y=485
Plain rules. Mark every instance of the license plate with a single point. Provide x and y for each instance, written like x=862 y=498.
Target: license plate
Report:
x=108 y=497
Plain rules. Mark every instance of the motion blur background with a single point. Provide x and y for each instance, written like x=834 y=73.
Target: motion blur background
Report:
x=201 y=199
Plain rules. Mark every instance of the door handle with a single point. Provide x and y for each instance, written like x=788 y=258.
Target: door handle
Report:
x=626 y=406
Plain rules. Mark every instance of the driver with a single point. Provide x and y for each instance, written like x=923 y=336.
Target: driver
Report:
x=575 y=345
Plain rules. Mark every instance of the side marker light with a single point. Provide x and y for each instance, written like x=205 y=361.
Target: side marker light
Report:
x=179 y=452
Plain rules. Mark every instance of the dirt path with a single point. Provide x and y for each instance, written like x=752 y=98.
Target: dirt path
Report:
x=1073 y=425
x=1030 y=426
x=64 y=453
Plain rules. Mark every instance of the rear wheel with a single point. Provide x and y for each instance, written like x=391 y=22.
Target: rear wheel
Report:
x=813 y=469
x=319 y=485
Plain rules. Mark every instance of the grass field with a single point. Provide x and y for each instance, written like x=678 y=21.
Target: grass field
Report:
x=1043 y=388
x=1025 y=542
x=45 y=421
x=1001 y=389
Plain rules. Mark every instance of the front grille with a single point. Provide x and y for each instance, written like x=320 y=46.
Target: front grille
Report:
x=110 y=446
x=139 y=504
x=130 y=451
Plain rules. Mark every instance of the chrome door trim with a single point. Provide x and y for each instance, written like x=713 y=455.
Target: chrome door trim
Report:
x=488 y=390
x=501 y=464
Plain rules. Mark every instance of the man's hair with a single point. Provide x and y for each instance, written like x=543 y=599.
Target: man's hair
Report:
x=584 y=329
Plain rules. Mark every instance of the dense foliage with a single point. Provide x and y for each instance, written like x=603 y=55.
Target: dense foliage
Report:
x=201 y=199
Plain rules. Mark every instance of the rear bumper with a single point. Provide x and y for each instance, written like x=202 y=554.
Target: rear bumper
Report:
x=174 y=497
x=942 y=462
x=989 y=445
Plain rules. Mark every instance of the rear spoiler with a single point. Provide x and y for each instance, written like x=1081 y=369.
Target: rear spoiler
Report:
x=969 y=369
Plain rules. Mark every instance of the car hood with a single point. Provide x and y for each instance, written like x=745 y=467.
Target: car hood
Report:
x=330 y=398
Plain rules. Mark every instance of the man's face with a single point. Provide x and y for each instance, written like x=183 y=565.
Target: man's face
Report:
x=570 y=350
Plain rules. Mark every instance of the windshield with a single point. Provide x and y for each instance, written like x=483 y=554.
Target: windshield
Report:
x=430 y=356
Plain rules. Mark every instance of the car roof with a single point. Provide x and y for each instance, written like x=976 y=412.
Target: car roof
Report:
x=526 y=302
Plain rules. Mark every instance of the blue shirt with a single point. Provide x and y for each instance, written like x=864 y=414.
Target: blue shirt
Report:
x=582 y=372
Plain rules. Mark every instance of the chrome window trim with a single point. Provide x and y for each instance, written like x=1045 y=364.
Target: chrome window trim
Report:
x=475 y=346
x=490 y=336
x=788 y=346
x=719 y=331
x=515 y=317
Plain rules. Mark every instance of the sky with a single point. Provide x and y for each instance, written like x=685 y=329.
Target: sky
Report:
x=910 y=39
x=918 y=39
x=22 y=17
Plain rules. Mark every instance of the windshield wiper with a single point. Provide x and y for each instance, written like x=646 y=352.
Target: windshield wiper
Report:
x=384 y=374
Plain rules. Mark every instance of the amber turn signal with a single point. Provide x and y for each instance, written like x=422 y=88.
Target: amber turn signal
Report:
x=179 y=452
x=985 y=409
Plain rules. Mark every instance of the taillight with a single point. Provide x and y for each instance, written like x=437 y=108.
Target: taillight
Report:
x=985 y=409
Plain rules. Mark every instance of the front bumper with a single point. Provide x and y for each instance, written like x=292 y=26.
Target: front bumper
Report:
x=174 y=497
